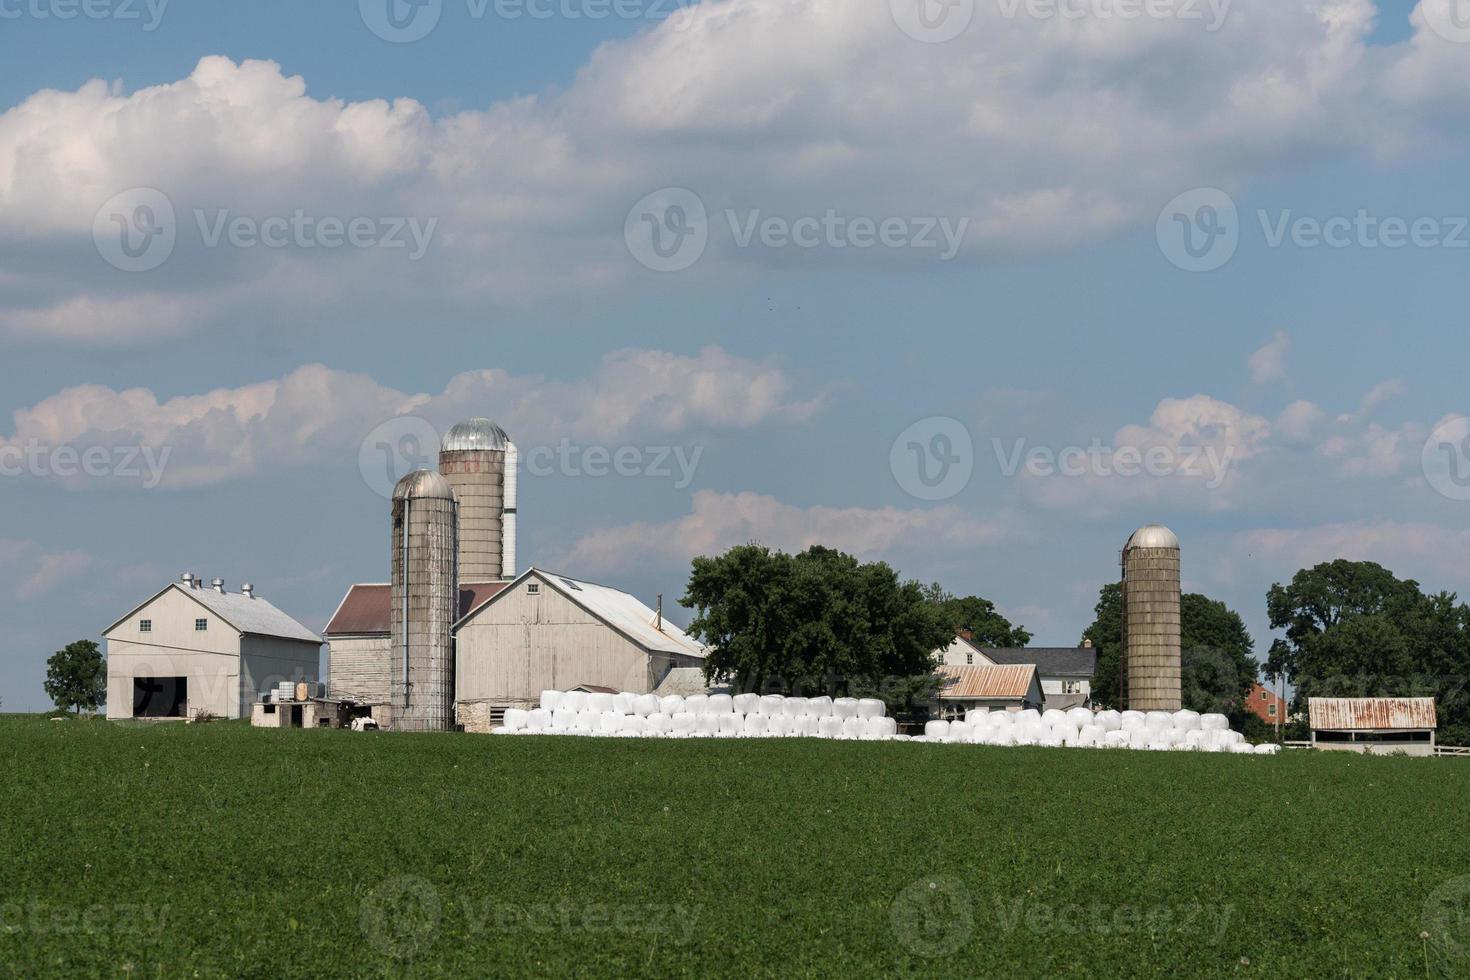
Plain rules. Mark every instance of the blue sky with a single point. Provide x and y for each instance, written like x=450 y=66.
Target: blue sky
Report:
x=1317 y=374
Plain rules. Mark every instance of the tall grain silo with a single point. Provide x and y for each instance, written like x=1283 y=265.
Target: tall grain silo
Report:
x=479 y=461
x=425 y=602
x=1151 y=655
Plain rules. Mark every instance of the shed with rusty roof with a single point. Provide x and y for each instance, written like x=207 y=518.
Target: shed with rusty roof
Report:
x=1010 y=686
x=1377 y=726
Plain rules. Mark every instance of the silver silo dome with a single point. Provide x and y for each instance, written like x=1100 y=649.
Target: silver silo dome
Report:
x=1151 y=627
x=425 y=596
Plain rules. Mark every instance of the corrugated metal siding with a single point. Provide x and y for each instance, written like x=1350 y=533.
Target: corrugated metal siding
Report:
x=1349 y=714
x=1011 y=681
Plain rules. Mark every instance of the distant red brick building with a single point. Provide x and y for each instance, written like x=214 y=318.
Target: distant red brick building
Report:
x=1265 y=704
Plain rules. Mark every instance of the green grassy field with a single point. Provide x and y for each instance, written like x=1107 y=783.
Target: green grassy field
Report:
x=218 y=850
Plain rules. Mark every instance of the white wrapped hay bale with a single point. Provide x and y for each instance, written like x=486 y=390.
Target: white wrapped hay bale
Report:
x=871 y=708
x=1243 y=748
x=551 y=700
x=845 y=707
x=829 y=726
x=1001 y=719
x=793 y=707
x=720 y=704
x=1053 y=717
x=610 y=722
x=659 y=723
x=1130 y=721
x=574 y=701
x=977 y=716
x=777 y=724
x=515 y=719
x=1268 y=749
x=1026 y=715
x=1067 y=732
x=645 y=705
x=731 y=724
x=707 y=724
x=1158 y=721
x=635 y=725
x=599 y=701
x=769 y=704
x=563 y=720
x=587 y=722
x=623 y=702
x=696 y=704
x=854 y=727
x=682 y=723
x=1115 y=739
x=819 y=707
x=538 y=718
x=806 y=725
x=670 y=705
x=1111 y=721
x=1186 y=720
x=1051 y=740
x=1092 y=733
x=937 y=728
x=756 y=724
x=882 y=727
x=1196 y=738
x=745 y=704
x=960 y=731
x=1214 y=723
x=1079 y=716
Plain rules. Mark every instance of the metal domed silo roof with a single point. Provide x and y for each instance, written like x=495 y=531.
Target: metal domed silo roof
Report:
x=1153 y=536
x=475 y=435
x=423 y=484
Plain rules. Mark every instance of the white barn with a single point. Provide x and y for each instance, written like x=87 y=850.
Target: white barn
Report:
x=194 y=649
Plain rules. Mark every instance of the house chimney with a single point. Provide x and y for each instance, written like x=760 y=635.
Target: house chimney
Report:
x=965 y=633
x=659 y=620
x=247 y=590
x=1087 y=644
x=218 y=585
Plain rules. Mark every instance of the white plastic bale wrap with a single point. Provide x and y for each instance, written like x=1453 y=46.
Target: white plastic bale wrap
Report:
x=1001 y=719
x=845 y=708
x=1131 y=720
x=1053 y=717
x=720 y=704
x=671 y=705
x=623 y=702
x=1115 y=739
x=755 y=724
x=960 y=731
x=1079 y=716
x=610 y=722
x=1066 y=731
x=551 y=700
x=1186 y=720
x=538 y=718
x=1158 y=721
x=1111 y=721
x=806 y=725
x=1026 y=715
x=696 y=703
x=600 y=701
x=745 y=704
x=871 y=708
x=563 y=720
x=645 y=705
x=819 y=707
x=682 y=723
x=515 y=719
x=659 y=723
x=1267 y=749
x=707 y=724
x=793 y=707
x=882 y=727
x=730 y=724
x=1243 y=748
x=635 y=724
x=854 y=727
x=1214 y=723
x=777 y=724
x=977 y=716
x=769 y=704
x=936 y=729
x=829 y=726
x=574 y=701
x=1091 y=734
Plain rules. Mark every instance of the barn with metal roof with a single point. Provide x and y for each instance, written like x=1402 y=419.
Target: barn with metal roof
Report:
x=1376 y=726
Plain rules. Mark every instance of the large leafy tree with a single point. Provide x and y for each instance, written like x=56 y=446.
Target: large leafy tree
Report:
x=817 y=621
x=987 y=626
x=1215 y=652
x=1354 y=629
x=76 y=677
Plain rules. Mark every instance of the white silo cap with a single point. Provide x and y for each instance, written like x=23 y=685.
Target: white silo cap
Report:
x=1153 y=536
x=475 y=435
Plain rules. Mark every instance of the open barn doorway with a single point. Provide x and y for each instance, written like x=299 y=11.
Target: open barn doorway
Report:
x=160 y=697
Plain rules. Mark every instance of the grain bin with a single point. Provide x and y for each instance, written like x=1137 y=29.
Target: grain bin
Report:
x=473 y=458
x=425 y=596
x=1151 y=620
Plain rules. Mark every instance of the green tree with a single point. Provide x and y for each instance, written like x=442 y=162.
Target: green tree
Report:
x=817 y=621
x=1217 y=666
x=988 y=628
x=76 y=677
x=1354 y=629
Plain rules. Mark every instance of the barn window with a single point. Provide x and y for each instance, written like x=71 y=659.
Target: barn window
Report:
x=145 y=626
x=201 y=625
x=969 y=658
x=533 y=588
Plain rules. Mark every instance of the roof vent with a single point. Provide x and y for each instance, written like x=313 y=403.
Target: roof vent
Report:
x=195 y=581
x=247 y=590
x=188 y=579
x=218 y=585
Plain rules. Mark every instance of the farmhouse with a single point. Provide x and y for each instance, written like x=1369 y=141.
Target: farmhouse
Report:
x=192 y=649
x=1012 y=687
x=1065 y=672
x=1266 y=704
x=1373 y=726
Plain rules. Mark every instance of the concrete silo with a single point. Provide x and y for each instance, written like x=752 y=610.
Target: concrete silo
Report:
x=425 y=596
x=1151 y=656
x=479 y=461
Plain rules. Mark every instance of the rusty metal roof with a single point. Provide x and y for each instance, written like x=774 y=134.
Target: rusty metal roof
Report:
x=972 y=682
x=1367 y=714
x=367 y=609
